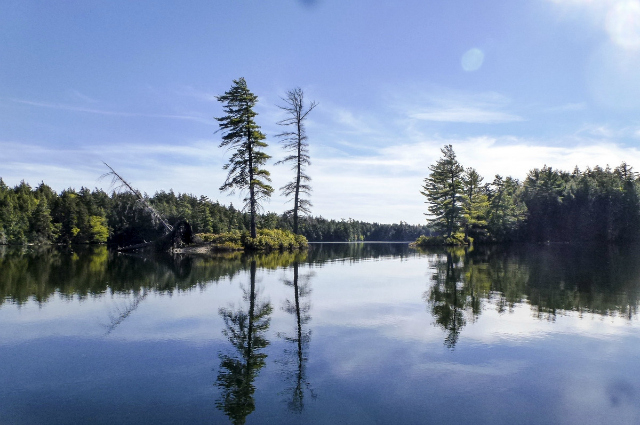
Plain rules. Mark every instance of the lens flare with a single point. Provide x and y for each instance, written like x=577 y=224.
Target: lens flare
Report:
x=623 y=24
x=472 y=60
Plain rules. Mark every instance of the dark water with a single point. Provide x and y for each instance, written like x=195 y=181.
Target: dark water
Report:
x=346 y=334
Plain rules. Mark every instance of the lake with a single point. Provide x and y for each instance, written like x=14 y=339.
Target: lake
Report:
x=363 y=333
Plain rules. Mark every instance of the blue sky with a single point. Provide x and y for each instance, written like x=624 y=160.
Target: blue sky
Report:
x=511 y=85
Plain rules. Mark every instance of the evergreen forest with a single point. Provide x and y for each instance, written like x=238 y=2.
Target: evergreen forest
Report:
x=592 y=205
x=39 y=215
x=549 y=205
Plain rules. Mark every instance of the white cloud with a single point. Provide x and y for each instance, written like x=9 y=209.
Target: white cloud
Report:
x=466 y=115
x=73 y=108
x=380 y=185
x=568 y=107
x=441 y=105
x=363 y=166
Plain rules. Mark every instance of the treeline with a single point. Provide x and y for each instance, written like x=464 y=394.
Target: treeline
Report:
x=597 y=204
x=40 y=215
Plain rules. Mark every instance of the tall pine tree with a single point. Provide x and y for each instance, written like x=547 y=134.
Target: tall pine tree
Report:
x=240 y=132
x=475 y=204
x=443 y=189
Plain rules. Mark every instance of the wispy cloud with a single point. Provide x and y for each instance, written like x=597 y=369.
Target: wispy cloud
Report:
x=66 y=107
x=202 y=95
x=443 y=105
x=76 y=95
x=465 y=115
x=365 y=165
x=568 y=107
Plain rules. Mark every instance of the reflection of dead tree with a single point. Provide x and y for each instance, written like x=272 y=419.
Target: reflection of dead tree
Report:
x=117 y=182
x=297 y=357
x=122 y=314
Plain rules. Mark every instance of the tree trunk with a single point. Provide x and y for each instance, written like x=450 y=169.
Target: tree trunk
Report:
x=252 y=197
x=298 y=171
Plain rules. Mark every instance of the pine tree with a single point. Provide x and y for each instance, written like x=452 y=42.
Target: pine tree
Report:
x=243 y=134
x=295 y=142
x=40 y=222
x=443 y=189
x=475 y=204
x=507 y=210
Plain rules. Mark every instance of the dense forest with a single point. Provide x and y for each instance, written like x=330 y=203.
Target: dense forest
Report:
x=40 y=215
x=550 y=205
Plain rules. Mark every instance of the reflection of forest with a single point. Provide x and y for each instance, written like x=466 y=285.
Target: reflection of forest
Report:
x=356 y=251
x=603 y=280
x=296 y=355
x=38 y=273
x=551 y=279
x=245 y=328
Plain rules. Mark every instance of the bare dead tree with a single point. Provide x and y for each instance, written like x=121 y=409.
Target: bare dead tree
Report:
x=295 y=142
x=119 y=183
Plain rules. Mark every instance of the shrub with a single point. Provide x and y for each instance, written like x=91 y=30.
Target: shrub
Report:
x=274 y=239
x=457 y=239
x=265 y=240
x=229 y=241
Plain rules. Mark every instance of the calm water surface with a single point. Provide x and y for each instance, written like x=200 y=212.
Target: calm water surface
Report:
x=346 y=334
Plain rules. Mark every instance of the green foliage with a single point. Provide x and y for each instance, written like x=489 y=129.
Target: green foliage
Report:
x=266 y=240
x=274 y=239
x=99 y=229
x=599 y=204
x=318 y=229
x=507 y=210
x=475 y=205
x=456 y=239
x=443 y=189
x=549 y=206
x=243 y=134
x=42 y=216
x=228 y=241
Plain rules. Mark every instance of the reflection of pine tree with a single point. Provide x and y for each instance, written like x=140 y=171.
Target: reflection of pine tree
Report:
x=455 y=297
x=297 y=356
x=246 y=332
x=447 y=301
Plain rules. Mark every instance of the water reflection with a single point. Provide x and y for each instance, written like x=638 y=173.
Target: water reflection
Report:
x=371 y=358
x=357 y=251
x=552 y=280
x=453 y=298
x=245 y=328
x=90 y=271
x=296 y=356
x=119 y=315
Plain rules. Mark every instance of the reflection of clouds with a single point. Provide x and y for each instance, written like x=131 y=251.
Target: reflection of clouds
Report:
x=385 y=296
x=597 y=398
x=408 y=323
x=403 y=315
x=493 y=368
